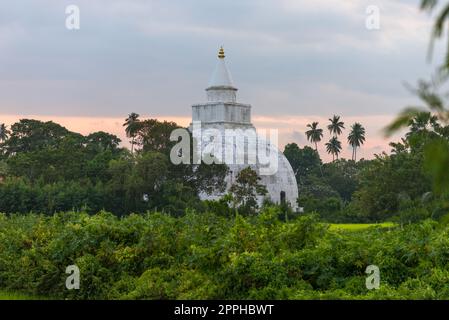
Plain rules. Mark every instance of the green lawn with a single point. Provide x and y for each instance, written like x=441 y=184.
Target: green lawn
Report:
x=6 y=295
x=358 y=226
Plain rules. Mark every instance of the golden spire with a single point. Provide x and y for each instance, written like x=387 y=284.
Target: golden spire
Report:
x=221 y=54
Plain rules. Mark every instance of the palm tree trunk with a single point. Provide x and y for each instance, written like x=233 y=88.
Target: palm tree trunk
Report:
x=355 y=154
x=316 y=149
x=132 y=146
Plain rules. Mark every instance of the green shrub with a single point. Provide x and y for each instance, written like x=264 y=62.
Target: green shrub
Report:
x=208 y=256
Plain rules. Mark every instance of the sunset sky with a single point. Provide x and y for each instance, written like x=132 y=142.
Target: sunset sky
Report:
x=294 y=61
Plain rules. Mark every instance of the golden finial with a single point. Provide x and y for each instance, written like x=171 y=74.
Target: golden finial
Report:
x=221 y=54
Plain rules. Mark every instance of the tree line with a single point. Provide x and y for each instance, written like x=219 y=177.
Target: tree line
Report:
x=46 y=168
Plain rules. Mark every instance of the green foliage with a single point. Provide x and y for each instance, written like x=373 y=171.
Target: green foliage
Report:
x=436 y=162
x=359 y=226
x=46 y=151
x=356 y=138
x=343 y=176
x=246 y=190
x=336 y=126
x=333 y=147
x=389 y=181
x=132 y=125
x=429 y=130
x=46 y=168
x=206 y=256
x=330 y=194
x=153 y=135
x=303 y=161
x=18 y=296
x=314 y=134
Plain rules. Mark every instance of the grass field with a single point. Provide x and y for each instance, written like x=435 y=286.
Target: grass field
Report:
x=359 y=226
x=5 y=295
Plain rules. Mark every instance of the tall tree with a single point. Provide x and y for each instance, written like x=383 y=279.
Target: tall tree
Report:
x=356 y=138
x=154 y=135
x=132 y=125
x=29 y=135
x=333 y=147
x=101 y=141
x=315 y=134
x=336 y=126
x=303 y=161
x=246 y=189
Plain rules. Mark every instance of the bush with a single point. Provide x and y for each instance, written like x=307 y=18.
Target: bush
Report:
x=208 y=256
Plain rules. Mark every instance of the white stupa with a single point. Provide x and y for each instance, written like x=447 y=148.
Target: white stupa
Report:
x=222 y=113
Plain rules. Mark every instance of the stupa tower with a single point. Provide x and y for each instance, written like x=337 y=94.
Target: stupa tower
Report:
x=223 y=113
x=222 y=109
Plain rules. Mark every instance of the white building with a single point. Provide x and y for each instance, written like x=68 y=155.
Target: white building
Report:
x=222 y=113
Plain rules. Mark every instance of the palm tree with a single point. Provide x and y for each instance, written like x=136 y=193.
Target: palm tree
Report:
x=333 y=147
x=314 y=135
x=336 y=126
x=3 y=132
x=356 y=138
x=132 y=125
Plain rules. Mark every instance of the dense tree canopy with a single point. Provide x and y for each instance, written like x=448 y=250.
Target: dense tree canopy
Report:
x=48 y=168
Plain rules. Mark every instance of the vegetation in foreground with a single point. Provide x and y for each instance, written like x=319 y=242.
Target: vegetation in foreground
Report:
x=5 y=295
x=359 y=226
x=207 y=256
